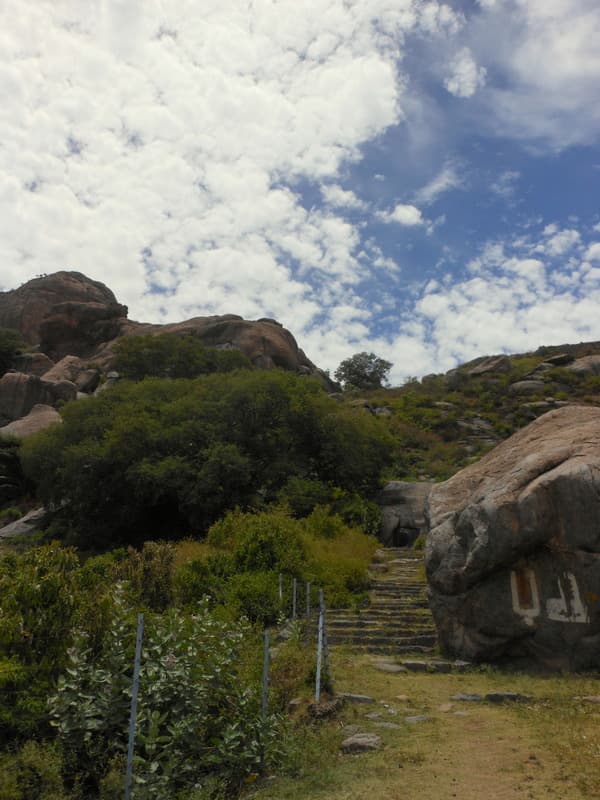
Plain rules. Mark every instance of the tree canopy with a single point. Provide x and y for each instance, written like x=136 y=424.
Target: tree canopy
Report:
x=170 y=355
x=10 y=347
x=363 y=371
x=165 y=458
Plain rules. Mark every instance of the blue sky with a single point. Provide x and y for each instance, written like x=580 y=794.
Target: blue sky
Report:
x=411 y=177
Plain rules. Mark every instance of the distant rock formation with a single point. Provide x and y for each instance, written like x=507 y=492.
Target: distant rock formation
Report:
x=403 y=512
x=68 y=314
x=75 y=323
x=513 y=554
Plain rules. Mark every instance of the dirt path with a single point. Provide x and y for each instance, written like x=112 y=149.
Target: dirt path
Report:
x=466 y=750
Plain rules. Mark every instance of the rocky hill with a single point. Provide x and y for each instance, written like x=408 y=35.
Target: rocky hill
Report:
x=71 y=325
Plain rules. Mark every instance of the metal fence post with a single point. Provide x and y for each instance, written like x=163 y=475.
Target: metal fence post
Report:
x=319 y=653
x=280 y=587
x=325 y=643
x=134 y=699
x=265 y=676
x=294 y=597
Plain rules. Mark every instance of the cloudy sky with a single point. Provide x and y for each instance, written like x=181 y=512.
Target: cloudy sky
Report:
x=410 y=177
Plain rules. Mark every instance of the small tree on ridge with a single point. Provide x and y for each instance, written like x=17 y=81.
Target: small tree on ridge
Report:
x=363 y=371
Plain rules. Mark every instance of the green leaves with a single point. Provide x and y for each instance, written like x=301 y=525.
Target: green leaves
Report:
x=170 y=355
x=363 y=371
x=195 y=715
x=161 y=459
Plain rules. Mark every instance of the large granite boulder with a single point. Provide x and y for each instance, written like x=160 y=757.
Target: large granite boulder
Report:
x=513 y=553
x=403 y=512
x=74 y=369
x=65 y=307
x=19 y=393
x=39 y=418
x=68 y=314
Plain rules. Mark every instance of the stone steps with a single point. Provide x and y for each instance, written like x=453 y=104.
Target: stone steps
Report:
x=397 y=620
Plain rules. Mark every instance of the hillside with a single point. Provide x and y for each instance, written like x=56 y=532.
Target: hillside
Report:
x=442 y=423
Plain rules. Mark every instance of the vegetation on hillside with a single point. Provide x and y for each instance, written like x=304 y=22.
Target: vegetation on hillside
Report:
x=185 y=491
x=166 y=458
x=10 y=347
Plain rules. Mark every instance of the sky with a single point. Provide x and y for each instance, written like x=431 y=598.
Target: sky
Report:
x=412 y=178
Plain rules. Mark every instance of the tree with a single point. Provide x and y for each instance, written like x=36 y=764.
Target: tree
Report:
x=169 y=457
x=10 y=347
x=363 y=371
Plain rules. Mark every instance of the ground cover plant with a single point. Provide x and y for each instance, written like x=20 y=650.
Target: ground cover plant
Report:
x=547 y=746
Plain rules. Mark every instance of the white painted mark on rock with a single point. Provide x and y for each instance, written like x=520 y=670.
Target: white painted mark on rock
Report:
x=569 y=606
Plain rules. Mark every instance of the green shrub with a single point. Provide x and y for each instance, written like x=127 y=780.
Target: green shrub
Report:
x=33 y=773
x=171 y=457
x=196 y=718
x=10 y=347
x=255 y=595
x=171 y=355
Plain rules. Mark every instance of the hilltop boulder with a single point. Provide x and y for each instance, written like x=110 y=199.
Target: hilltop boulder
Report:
x=63 y=310
x=513 y=553
x=68 y=314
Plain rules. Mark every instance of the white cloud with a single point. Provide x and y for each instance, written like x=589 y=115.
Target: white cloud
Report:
x=337 y=197
x=448 y=178
x=465 y=76
x=505 y=185
x=404 y=215
x=545 y=60
x=593 y=252
x=559 y=241
x=162 y=147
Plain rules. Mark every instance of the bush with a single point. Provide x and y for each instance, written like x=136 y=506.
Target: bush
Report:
x=10 y=347
x=34 y=773
x=167 y=458
x=196 y=718
x=170 y=355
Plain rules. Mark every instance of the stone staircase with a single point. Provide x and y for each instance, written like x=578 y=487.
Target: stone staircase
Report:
x=398 y=619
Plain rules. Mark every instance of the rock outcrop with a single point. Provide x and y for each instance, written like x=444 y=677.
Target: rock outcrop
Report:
x=67 y=311
x=403 y=512
x=19 y=393
x=513 y=554
x=39 y=418
x=68 y=314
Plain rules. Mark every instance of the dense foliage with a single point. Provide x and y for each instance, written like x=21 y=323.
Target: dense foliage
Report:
x=67 y=633
x=363 y=371
x=169 y=355
x=165 y=458
x=10 y=347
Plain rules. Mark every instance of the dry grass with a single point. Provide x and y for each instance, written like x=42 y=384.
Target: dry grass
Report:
x=548 y=747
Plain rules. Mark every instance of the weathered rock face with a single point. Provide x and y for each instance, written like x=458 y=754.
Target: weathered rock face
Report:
x=266 y=342
x=68 y=314
x=20 y=393
x=513 y=554
x=33 y=364
x=56 y=304
x=39 y=418
x=403 y=512
x=587 y=365
x=72 y=368
x=491 y=364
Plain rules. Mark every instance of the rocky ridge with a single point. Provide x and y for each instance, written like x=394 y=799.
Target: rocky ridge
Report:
x=73 y=322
